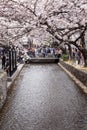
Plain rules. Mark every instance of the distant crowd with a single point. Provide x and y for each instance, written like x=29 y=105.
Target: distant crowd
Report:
x=44 y=52
x=76 y=56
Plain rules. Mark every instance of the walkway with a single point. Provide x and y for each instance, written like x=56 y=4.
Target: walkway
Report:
x=44 y=98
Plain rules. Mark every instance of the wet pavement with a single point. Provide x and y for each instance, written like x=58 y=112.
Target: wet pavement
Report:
x=44 y=98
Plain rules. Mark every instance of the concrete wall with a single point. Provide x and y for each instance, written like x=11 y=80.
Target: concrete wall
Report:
x=82 y=76
x=6 y=83
x=3 y=88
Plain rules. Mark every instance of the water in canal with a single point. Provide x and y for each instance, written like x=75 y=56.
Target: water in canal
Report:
x=44 y=98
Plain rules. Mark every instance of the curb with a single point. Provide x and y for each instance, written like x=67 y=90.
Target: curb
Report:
x=78 y=82
x=11 y=80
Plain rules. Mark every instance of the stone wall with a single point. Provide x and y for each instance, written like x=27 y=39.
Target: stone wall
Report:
x=82 y=76
x=3 y=88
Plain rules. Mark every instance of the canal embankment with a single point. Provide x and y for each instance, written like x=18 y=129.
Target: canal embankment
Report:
x=3 y=87
x=44 y=98
x=6 y=83
x=77 y=75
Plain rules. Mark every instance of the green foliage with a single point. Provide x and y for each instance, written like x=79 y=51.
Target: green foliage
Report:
x=65 y=57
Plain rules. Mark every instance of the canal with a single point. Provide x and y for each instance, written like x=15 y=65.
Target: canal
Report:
x=44 y=98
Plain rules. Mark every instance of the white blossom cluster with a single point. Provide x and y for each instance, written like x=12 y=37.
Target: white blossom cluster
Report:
x=63 y=19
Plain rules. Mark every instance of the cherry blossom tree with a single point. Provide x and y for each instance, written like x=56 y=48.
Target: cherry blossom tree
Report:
x=65 y=20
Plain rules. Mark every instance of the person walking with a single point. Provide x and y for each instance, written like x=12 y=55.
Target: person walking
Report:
x=3 y=61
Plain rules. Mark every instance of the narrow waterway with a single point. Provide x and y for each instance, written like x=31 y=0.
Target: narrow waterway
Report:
x=44 y=98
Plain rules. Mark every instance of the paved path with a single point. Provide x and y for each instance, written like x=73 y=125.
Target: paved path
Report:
x=44 y=98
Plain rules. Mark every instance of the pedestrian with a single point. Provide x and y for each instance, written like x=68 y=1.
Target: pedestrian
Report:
x=59 y=53
x=7 y=66
x=3 y=61
x=82 y=60
x=77 y=57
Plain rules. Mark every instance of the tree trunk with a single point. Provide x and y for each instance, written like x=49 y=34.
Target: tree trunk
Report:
x=84 y=53
x=83 y=49
x=83 y=41
x=70 y=51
